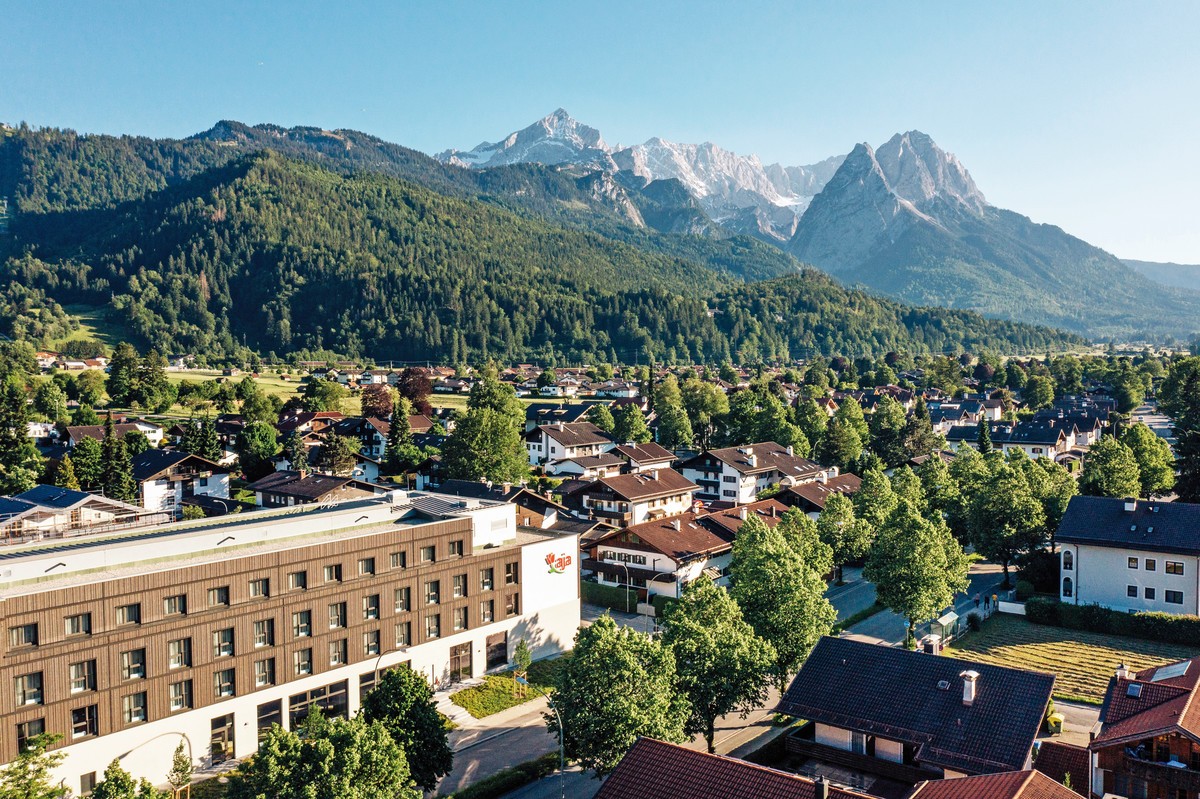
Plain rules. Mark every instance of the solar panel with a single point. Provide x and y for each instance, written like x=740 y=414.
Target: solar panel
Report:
x=1172 y=671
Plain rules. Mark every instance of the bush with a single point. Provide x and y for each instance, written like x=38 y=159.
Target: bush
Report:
x=974 y=622
x=1024 y=590
x=1168 y=628
x=608 y=596
x=661 y=602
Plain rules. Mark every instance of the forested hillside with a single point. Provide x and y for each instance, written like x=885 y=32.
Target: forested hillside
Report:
x=198 y=252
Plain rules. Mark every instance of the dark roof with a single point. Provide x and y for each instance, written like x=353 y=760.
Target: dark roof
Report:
x=1009 y=785
x=309 y=485
x=645 y=453
x=768 y=456
x=96 y=431
x=653 y=769
x=1152 y=525
x=690 y=541
x=1140 y=706
x=153 y=462
x=595 y=461
x=729 y=521
x=645 y=485
x=817 y=492
x=576 y=434
x=10 y=507
x=1026 y=433
x=543 y=412
x=1056 y=760
x=855 y=686
x=49 y=496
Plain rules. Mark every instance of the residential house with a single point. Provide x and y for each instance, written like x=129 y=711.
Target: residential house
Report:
x=533 y=509
x=587 y=467
x=652 y=768
x=549 y=413
x=1148 y=742
x=902 y=716
x=1130 y=554
x=728 y=521
x=1027 y=784
x=562 y=441
x=284 y=489
x=47 y=511
x=153 y=433
x=616 y=389
x=735 y=475
x=305 y=422
x=1064 y=762
x=629 y=499
x=1037 y=440
x=641 y=457
x=370 y=432
x=167 y=477
x=811 y=497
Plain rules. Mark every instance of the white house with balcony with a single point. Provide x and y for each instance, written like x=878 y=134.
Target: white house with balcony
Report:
x=628 y=499
x=735 y=475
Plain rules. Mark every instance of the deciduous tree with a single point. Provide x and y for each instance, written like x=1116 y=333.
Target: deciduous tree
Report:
x=31 y=774
x=848 y=537
x=630 y=426
x=402 y=702
x=1156 y=462
x=1110 y=470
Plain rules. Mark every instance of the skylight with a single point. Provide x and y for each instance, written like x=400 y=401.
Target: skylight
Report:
x=1134 y=690
x=1170 y=672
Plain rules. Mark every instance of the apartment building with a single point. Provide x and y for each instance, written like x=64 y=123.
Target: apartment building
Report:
x=209 y=632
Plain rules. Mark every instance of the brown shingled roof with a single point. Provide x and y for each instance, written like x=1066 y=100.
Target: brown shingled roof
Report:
x=686 y=542
x=646 y=485
x=575 y=434
x=729 y=522
x=768 y=456
x=653 y=769
x=1141 y=706
x=817 y=492
x=1057 y=759
x=1009 y=785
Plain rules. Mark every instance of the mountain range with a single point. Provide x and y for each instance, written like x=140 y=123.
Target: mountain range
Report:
x=308 y=241
x=906 y=220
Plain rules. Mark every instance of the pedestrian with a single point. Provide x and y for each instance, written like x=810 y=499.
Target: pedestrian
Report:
x=977 y=600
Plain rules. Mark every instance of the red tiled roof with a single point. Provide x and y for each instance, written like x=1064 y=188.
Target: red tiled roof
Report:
x=768 y=511
x=768 y=456
x=646 y=485
x=1056 y=760
x=1160 y=706
x=1009 y=785
x=689 y=540
x=645 y=453
x=573 y=434
x=817 y=492
x=653 y=769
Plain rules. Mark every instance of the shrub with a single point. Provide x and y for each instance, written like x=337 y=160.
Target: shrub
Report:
x=974 y=622
x=608 y=596
x=1152 y=626
x=1024 y=590
x=510 y=779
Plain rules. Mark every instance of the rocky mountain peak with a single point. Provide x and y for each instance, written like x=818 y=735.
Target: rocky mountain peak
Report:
x=918 y=170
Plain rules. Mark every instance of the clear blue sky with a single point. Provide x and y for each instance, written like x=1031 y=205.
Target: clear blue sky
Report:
x=1080 y=114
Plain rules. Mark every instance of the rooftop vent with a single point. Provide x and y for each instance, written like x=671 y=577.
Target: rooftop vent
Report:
x=943 y=685
x=1130 y=504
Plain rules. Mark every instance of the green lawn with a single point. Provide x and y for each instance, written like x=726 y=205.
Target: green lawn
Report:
x=497 y=692
x=270 y=383
x=1082 y=661
x=94 y=323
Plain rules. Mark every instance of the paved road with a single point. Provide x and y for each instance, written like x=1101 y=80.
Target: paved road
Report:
x=484 y=747
x=1078 y=721
x=853 y=596
x=575 y=785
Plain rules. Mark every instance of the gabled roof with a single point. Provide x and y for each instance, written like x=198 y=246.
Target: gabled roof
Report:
x=645 y=453
x=689 y=541
x=48 y=496
x=1152 y=525
x=855 y=686
x=96 y=431
x=817 y=492
x=545 y=412
x=643 y=485
x=576 y=434
x=729 y=522
x=1056 y=760
x=153 y=462
x=1153 y=701
x=309 y=485
x=594 y=461
x=767 y=455
x=656 y=770
x=1009 y=785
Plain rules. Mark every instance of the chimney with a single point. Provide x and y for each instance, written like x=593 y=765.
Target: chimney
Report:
x=561 y=426
x=753 y=460
x=970 y=689
x=507 y=487
x=654 y=474
x=742 y=513
x=1123 y=672
x=820 y=789
x=791 y=450
x=1130 y=504
x=676 y=524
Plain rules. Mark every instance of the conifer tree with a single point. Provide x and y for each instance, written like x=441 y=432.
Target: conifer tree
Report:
x=116 y=477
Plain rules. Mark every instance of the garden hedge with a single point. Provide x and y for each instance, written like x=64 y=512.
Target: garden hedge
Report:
x=1168 y=628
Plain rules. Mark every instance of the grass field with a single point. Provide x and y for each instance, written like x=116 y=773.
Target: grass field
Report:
x=94 y=323
x=496 y=692
x=1082 y=661
x=271 y=384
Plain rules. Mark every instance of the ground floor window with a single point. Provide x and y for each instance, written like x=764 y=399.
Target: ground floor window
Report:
x=334 y=700
x=270 y=714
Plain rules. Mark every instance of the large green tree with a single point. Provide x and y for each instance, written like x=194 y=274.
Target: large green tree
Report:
x=630 y=426
x=123 y=375
x=402 y=702
x=1006 y=519
x=617 y=686
x=488 y=442
x=257 y=444
x=917 y=567
x=31 y=774
x=1156 y=462
x=338 y=454
x=887 y=426
x=20 y=462
x=1110 y=470
x=674 y=427
x=918 y=436
x=116 y=468
x=847 y=536
x=780 y=597
x=875 y=500
x=721 y=665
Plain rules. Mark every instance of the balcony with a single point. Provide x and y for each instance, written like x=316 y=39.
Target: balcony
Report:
x=1174 y=775
x=615 y=515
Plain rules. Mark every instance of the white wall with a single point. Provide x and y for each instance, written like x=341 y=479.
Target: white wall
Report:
x=833 y=736
x=889 y=750
x=1102 y=575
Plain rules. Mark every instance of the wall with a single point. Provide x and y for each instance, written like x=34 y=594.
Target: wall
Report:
x=833 y=736
x=1101 y=575
x=889 y=750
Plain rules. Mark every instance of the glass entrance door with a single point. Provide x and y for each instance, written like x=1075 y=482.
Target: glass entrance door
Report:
x=460 y=662
x=221 y=743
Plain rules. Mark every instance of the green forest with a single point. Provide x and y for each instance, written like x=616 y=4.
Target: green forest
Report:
x=207 y=247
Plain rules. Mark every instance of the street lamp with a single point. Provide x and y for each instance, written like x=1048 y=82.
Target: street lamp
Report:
x=562 y=776
x=626 y=568
x=648 y=583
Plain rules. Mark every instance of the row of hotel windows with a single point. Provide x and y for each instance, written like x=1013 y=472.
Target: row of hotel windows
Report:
x=1171 y=597
x=1150 y=564
x=81 y=623
x=28 y=687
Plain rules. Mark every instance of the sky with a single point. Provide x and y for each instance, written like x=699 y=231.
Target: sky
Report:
x=1076 y=114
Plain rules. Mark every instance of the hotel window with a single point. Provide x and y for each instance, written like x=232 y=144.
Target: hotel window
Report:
x=371 y=643
x=404 y=633
x=179 y=695
x=264 y=672
x=399 y=560
x=23 y=635
x=83 y=676
x=1131 y=591
x=333 y=573
x=79 y=624
x=1133 y=563
x=337 y=615
x=370 y=607
x=1151 y=564
x=456 y=548
x=433 y=626
x=460 y=586
x=512 y=605
x=302 y=662
x=130 y=614
x=223 y=683
x=302 y=624
x=223 y=643
x=179 y=653
x=133 y=664
x=28 y=689
x=133 y=708
x=1174 y=567
x=264 y=632
x=175 y=605
x=84 y=722
x=260 y=589
x=460 y=619
x=433 y=592
x=298 y=581
x=337 y=652
x=1173 y=597
x=403 y=597
x=429 y=554
x=486 y=579
x=28 y=730
x=218 y=596
x=366 y=566
x=511 y=573
x=1149 y=593
x=487 y=611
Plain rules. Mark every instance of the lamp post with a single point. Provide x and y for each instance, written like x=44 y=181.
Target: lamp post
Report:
x=562 y=776
x=648 y=583
x=626 y=568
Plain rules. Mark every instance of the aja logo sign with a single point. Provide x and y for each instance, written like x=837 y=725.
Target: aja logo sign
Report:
x=557 y=563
